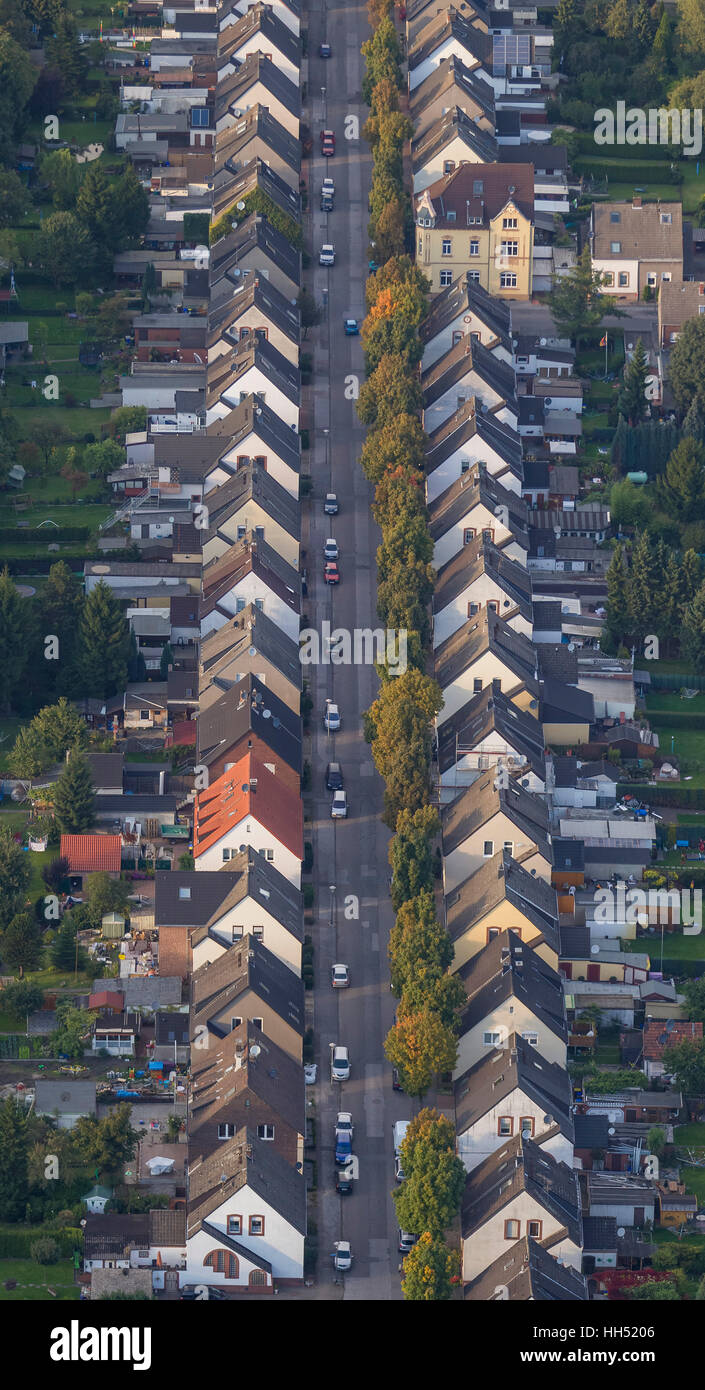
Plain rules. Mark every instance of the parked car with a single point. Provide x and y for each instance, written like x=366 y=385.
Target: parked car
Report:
x=331 y=573
x=339 y=1063
x=339 y=805
x=202 y=1291
x=326 y=255
x=325 y=50
x=334 y=777
x=341 y=1255
x=331 y=717
x=343 y=1136
x=330 y=549
x=310 y=1073
x=330 y=505
x=328 y=187
x=327 y=203
x=396 y=1083
x=407 y=1241
x=351 y=328
x=327 y=143
x=399 y=1173
x=343 y=1181
x=339 y=976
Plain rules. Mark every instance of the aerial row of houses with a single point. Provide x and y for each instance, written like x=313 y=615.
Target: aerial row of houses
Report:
x=530 y=819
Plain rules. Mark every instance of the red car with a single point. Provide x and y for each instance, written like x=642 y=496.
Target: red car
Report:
x=327 y=142
x=331 y=573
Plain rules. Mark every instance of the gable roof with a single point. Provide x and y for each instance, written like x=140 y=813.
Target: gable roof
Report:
x=464 y=296
x=243 y=1162
x=249 y=708
x=256 y=123
x=253 y=416
x=253 y=352
x=221 y=807
x=245 y=1062
x=527 y=1272
x=466 y=424
x=250 y=632
x=502 y=879
x=507 y=969
x=481 y=558
x=475 y=190
x=247 y=965
x=466 y=356
x=487 y=631
x=215 y=891
x=446 y=25
x=263 y=20
x=640 y=232
x=522 y=1166
x=485 y=713
x=483 y=799
x=477 y=487
x=451 y=77
x=252 y=483
x=254 y=291
x=660 y=1034
x=517 y=1066
x=254 y=234
x=231 y=90
x=452 y=125
x=251 y=555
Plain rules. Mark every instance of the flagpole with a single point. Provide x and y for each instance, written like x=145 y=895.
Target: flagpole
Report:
x=606 y=343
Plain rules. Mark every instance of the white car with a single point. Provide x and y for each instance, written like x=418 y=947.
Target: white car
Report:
x=339 y=976
x=331 y=717
x=330 y=549
x=326 y=255
x=341 y=1255
x=339 y=1063
x=310 y=1073
x=339 y=805
x=328 y=186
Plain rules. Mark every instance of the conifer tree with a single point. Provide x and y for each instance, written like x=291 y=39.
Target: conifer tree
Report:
x=103 y=644
x=74 y=795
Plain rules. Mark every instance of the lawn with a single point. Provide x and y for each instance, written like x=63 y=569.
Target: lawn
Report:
x=90 y=515
x=694 y=1179
x=75 y=420
x=38 y=1282
x=675 y=946
x=672 y=700
x=693 y=1134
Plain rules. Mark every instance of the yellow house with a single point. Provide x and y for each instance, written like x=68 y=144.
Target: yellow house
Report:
x=502 y=896
x=479 y=219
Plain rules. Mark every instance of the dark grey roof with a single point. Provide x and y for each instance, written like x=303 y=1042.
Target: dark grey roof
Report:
x=527 y=1272
x=254 y=291
x=547 y=614
x=253 y=415
x=106 y=768
x=558 y=662
x=226 y=1075
x=575 y=941
x=465 y=425
x=482 y=559
x=485 y=632
x=239 y=1162
x=568 y=854
x=136 y=803
x=256 y=124
x=249 y=708
x=231 y=90
x=247 y=874
x=535 y=475
x=504 y=969
x=151 y=991
x=469 y=355
x=227 y=371
x=248 y=964
x=470 y=489
x=449 y=23
x=452 y=78
x=67 y=1097
x=565 y=703
x=477 y=803
x=251 y=631
x=264 y=21
x=251 y=555
x=254 y=234
x=542 y=154
x=171 y=1027
x=454 y=125
x=502 y=879
x=591 y=1132
x=114 y=1234
x=522 y=1166
x=256 y=484
x=516 y=1066
x=486 y=712
x=464 y=296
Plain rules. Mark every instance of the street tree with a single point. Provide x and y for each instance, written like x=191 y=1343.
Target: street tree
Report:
x=411 y=854
x=310 y=311
x=390 y=391
x=398 y=725
x=430 y=1270
x=417 y=935
x=420 y=1046
x=430 y=1196
x=398 y=444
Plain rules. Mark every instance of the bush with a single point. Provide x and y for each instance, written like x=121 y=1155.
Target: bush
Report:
x=45 y=1251
x=308 y=857
x=309 y=895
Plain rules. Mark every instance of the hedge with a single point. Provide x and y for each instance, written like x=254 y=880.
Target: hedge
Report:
x=675 y=719
x=687 y=797
x=44 y=535
x=16 y=1245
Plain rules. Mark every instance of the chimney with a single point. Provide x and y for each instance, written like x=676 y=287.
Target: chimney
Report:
x=636 y=201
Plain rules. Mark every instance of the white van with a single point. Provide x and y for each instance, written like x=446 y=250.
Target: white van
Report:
x=399 y=1131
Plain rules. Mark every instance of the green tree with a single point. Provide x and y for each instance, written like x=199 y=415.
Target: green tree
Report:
x=16 y=626
x=644 y=588
x=65 y=248
x=692 y=636
x=74 y=795
x=71 y=1034
x=631 y=402
x=60 y=604
x=28 y=756
x=63 y=175
x=103 y=644
x=683 y=487
x=399 y=728
x=130 y=204
x=14 y=875
x=60 y=727
x=14 y=199
x=106 y=1144
x=420 y=1046
x=694 y=991
x=14 y=1187
x=397 y=445
x=430 y=1270
x=103 y=457
x=390 y=391
x=22 y=943
x=629 y=504
x=430 y=1196
x=105 y=894
x=18 y=77
x=22 y=998
x=166 y=660
x=686 y=1061
x=687 y=365
x=411 y=855
x=127 y=419
x=417 y=937
x=310 y=311
x=64 y=51
x=657 y=1291
x=577 y=302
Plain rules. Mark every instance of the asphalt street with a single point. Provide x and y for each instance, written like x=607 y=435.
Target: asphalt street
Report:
x=351 y=869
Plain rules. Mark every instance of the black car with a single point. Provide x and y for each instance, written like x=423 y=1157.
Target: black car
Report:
x=324 y=50
x=343 y=1183
x=334 y=777
x=396 y=1083
x=327 y=204
x=194 y=1291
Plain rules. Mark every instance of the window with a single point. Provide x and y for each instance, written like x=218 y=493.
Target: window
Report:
x=526 y=1122
x=608 y=277
x=666 y=219
x=227 y=854
x=508 y=846
x=652 y=277
x=534 y=1228
x=226 y=1131
x=256 y=1226
x=223 y=1262
x=448 y=166
x=239 y=605
x=235 y=1023
x=257 y=1276
x=615 y=217
x=450 y=215
x=508 y=223
x=241 y=532
x=491 y=1039
x=478 y=188
x=257 y=1023
x=488 y=849
x=507 y=280
x=468 y=535
x=258 y=933
x=270 y=856
x=510 y=248
x=531 y=1038
x=144 y=714
x=474 y=277
x=474 y=247
x=445 y=279
x=265 y=1132
x=472 y=610
x=492 y=606
x=184 y=893
x=623 y=279
x=447 y=246
x=259 y=604
x=420 y=247
x=464 y=465
x=666 y=276
x=616 y=248
x=476 y=686
x=234 y=1225
x=238 y=933
x=505 y=1126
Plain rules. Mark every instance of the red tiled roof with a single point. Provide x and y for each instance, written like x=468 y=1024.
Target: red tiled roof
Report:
x=660 y=1034
x=224 y=804
x=107 y=999
x=90 y=853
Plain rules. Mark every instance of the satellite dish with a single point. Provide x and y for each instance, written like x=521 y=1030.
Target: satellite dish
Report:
x=252 y=651
x=240 y=206
x=611 y=1130
x=266 y=713
x=621 y=1231
x=594 y=950
x=255 y=1050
